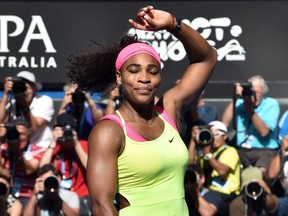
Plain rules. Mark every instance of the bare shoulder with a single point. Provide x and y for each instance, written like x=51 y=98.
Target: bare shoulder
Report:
x=106 y=134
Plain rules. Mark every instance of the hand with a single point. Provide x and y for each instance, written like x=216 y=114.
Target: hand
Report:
x=151 y=19
x=57 y=132
x=284 y=145
x=8 y=85
x=38 y=186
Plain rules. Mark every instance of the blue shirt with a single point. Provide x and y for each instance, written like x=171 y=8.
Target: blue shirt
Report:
x=247 y=135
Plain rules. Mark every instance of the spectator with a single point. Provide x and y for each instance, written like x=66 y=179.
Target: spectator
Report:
x=200 y=113
x=8 y=204
x=194 y=190
x=256 y=119
x=221 y=167
x=114 y=101
x=83 y=108
x=279 y=170
x=36 y=110
x=283 y=127
x=256 y=197
x=68 y=155
x=20 y=159
x=50 y=199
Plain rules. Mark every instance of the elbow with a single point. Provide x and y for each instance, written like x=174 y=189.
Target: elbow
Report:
x=264 y=133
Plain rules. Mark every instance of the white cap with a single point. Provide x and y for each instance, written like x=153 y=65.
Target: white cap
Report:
x=219 y=125
x=29 y=77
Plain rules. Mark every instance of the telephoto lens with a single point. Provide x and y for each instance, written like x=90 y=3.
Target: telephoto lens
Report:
x=51 y=185
x=205 y=136
x=12 y=134
x=3 y=190
x=253 y=190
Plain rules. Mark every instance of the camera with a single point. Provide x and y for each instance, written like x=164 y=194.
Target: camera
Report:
x=3 y=190
x=78 y=97
x=51 y=185
x=67 y=133
x=19 y=86
x=253 y=191
x=248 y=90
x=205 y=136
x=12 y=134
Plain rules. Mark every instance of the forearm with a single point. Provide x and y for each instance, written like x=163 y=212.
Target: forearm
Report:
x=205 y=208
x=82 y=155
x=228 y=114
x=260 y=125
x=47 y=156
x=274 y=168
x=30 y=208
x=3 y=103
x=192 y=151
x=221 y=168
x=67 y=210
x=96 y=113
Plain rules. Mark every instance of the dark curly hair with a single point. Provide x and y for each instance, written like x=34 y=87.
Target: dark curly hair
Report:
x=94 y=70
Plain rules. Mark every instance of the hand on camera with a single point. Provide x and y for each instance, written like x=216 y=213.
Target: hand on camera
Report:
x=8 y=85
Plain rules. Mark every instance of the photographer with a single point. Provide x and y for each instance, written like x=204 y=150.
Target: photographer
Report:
x=50 y=199
x=82 y=107
x=256 y=119
x=8 y=204
x=20 y=159
x=256 y=197
x=220 y=164
x=68 y=155
x=20 y=101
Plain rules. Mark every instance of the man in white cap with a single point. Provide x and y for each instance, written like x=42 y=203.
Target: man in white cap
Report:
x=20 y=101
x=221 y=166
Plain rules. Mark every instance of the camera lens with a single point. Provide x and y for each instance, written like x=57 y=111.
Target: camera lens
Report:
x=205 y=136
x=51 y=184
x=253 y=190
x=3 y=189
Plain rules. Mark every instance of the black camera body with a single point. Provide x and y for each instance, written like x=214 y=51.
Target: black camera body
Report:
x=67 y=133
x=19 y=86
x=3 y=190
x=78 y=97
x=12 y=134
x=205 y=136
x=248 y=90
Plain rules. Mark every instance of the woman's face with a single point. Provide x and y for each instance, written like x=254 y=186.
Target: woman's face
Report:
x=140 y=78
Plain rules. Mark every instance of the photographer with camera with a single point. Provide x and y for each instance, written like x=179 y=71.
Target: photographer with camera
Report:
x=8 y=204
x=49 y=198
x=255 y=118
x=255 y=198
x=220 y=164
x=82 y=107
x=20 y=101
x=68 y=154
x=20 y=158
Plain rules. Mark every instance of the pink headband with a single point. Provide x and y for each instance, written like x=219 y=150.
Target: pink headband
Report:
x=134 y=49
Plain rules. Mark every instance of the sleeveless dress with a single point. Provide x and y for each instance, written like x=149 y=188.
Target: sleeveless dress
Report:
x=151 y=173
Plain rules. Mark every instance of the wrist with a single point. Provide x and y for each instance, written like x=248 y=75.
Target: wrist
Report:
x=208 y=156
x=175 y=25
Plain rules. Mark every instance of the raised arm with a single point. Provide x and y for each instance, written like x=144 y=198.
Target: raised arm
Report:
x=201 y=55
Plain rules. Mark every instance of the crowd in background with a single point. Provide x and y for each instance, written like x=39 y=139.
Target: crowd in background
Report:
x=237 y=162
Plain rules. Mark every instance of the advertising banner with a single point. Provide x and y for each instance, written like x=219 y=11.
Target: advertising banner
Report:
x=249 y=36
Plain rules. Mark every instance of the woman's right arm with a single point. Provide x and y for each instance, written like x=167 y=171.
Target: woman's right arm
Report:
x=104 y=145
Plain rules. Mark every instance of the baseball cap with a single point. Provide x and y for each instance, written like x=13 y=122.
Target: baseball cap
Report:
x=218 y=125
x=250 y=174
x=27 y=75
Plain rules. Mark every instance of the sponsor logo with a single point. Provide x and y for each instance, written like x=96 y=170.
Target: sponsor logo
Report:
x=219 y=32
x=14 y=27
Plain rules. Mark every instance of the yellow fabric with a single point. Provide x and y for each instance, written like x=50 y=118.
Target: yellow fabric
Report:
x=151 y=175
x=230 y=158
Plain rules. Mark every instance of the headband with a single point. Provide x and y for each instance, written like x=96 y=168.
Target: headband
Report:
x=134 y=49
